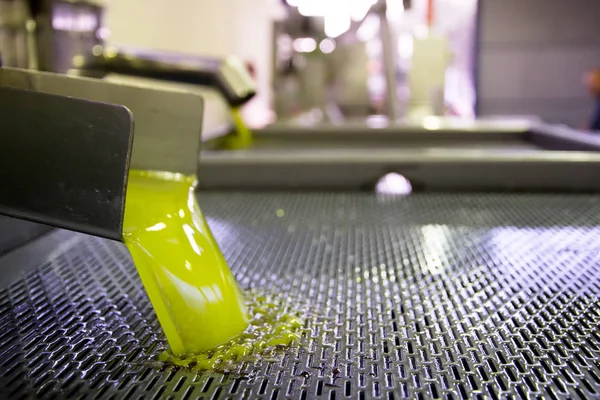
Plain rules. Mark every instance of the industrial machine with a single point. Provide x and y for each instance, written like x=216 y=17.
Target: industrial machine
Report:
x=498 y=155
x=225 y=83
x=481 y=284
x=46 y=124
x=67 y=36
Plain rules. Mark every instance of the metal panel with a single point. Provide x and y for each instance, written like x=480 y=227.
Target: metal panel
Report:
x=64 y=161
x=427 y=168
x=216 y=118
x=428 y=296
x=441 y=132
x=16 y=232
x=555 y=137
x=168 y=123
x=431 y=126
x=229 y=75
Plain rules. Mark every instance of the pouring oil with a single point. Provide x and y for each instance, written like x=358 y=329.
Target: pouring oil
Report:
x=272 y=327
x=191 y=288
x=204 y=317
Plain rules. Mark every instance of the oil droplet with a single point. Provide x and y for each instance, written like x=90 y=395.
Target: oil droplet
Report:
x=280 y=213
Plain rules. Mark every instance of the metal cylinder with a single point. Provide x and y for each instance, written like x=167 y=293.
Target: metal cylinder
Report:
x=14 y=18
x=389 y=62
x=67 y=29
x=50 y=35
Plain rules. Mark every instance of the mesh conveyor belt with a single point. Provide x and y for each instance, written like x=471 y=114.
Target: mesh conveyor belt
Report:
x=451 y=296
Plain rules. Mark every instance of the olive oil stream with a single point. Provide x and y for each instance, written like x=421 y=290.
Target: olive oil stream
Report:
x=191 y=288
x=188 y=281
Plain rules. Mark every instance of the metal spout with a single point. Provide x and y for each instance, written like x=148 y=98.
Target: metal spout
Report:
x=65 y=160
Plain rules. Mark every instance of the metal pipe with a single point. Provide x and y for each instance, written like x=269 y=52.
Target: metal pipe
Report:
x=32 y=49
x=389 y=62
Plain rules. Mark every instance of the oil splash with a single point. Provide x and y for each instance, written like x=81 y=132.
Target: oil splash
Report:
x=188 y=281
x=272 y=327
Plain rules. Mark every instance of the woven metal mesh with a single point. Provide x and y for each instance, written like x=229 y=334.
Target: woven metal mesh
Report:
x=429 y=296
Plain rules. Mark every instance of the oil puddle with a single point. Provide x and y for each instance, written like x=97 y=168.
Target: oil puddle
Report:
x=273 y=327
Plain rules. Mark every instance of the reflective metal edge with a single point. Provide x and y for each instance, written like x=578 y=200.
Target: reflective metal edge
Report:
x=216 y=121
x=559 y=137
x=228 y=75
x=64 y=161
x=238 y=85
x=15 y=232
x=364 y=131
x=168 y=122
x=17 y=263
x=427 y=169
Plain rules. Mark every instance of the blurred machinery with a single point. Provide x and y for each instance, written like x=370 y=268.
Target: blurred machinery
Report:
x=225 y=83
x=67 y=36
x=17 y=37
x=49 y=34
x=379 y=56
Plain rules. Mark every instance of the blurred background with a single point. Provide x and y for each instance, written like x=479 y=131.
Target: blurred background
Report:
x=337 y=60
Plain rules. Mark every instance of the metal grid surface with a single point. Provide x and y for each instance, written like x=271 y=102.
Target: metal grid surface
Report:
x=429 y=296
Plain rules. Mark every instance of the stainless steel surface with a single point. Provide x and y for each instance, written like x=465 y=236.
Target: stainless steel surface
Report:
x=426 y=168
x=216 y=120
x=15 y=232
x=398 y=132
x=23 y=255
x=167 y=122
x=557 y=137
x=400 y=137
x=378 y=132
x=422 y=297
x=432 y=133
x=436 y=154
x=367 y=143
x=236 y=78
x=228 y=75
x=64 y=161
x=431 y=124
